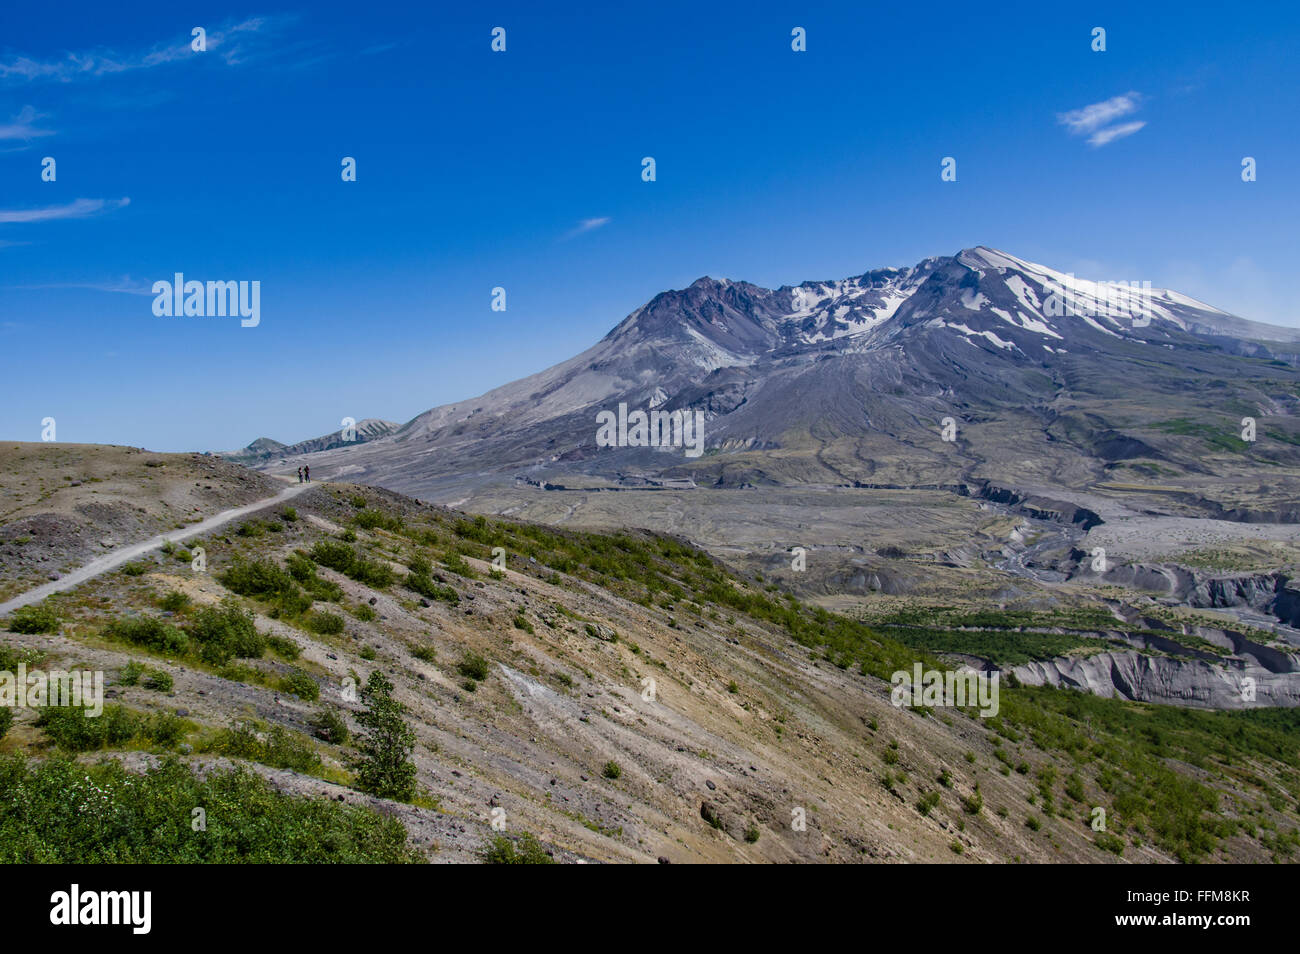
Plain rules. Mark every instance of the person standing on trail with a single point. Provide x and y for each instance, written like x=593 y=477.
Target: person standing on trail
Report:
x=307 y=473
x=299 y=475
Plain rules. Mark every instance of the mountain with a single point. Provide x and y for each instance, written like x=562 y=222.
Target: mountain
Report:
x=1051 y=382
x=266 y=450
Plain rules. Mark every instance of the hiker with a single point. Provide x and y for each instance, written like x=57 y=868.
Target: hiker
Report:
x=307 y=473
x=299 y=475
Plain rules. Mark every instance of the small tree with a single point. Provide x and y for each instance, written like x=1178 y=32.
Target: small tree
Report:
x=384 y=765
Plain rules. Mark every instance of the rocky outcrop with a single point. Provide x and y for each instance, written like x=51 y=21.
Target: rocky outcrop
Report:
x=1038 y=507
x=1178 y=681
x=1270 y=593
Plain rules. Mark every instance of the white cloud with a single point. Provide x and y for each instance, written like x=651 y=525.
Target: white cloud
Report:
x=231 y=42
x=77 y=209
x=21 y=127
x=1111 y=133
x=1090 y=117
x=588 y=225
x=123 y=285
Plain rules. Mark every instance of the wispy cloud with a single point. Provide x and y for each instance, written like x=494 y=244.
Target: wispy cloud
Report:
x=22 y=126
x=1093 y=120
x=233 y=43
x=1111 y=133
x=1098 y=114
x=77 y=209
x=587 y=225
x=124 y=285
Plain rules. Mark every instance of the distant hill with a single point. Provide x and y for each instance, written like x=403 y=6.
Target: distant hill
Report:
x=266 y=450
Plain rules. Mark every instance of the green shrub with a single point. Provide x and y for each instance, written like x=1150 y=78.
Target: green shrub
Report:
x=431 y=590
x=73 y=730
x=33 y=620
x=328 y=726
x=131 y=673
x=502 y=851
x=1074 y=787
x=333 y=554
x=419 y=564
x=1109 y=842
x=364 y=612
x=256 y=579
x=752 y=833
x=326 y=624
x=372 y=573
x=175 y=601
x=301 y=684
x=343 y=558
x=303 y=570
x=457 y=564
x=266 y=581
x=927 y=802
x=274 y=746
x=289 y=515
x=1033 y=823
x=371 y=519
x=425 y=653
x=225 y=632
x=136 y=569
x=612 y=770
x=158 y=680
x=12 y=656
x=300 y=566
x=473 y=666
x=150 y=632
x=164 y=728
x=521 y=622
x=283 y=647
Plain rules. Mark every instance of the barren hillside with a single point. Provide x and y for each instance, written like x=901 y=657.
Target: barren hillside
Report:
x=622 y=697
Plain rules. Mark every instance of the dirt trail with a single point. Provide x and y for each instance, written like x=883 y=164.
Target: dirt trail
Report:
x=125 y=554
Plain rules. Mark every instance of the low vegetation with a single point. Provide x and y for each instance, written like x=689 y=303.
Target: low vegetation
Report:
x=65 y=812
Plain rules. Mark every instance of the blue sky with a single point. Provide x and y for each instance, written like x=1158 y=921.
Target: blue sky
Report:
x=523 y=170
